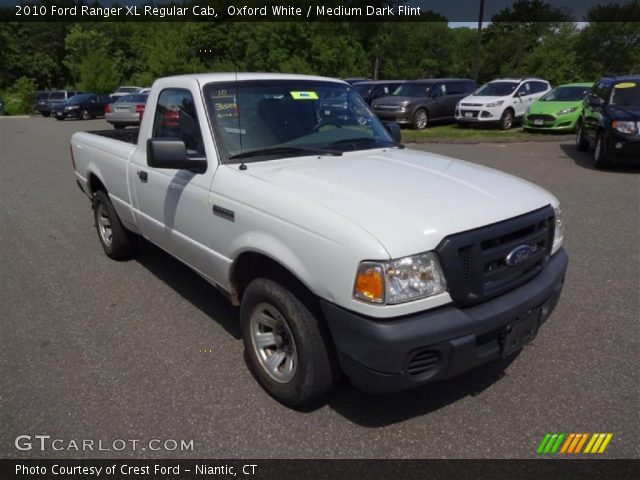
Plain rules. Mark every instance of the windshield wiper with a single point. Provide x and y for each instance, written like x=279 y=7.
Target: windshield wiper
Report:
x=365 y=141
x=286 y=150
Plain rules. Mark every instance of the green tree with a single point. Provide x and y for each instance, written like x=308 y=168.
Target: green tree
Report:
x=554 y=58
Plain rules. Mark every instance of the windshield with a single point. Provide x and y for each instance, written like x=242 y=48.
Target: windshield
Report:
x=363 y=88
x=566 y=94
x=412 y=90
x=625 y=94
x=133 y=98
x=267 y=119
x=496 y=89
x=127 y=89
x=80 y=98
x=56 y=96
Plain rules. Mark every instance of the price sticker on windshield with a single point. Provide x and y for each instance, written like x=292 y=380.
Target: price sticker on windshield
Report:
x=304 y=95
x=626 y=85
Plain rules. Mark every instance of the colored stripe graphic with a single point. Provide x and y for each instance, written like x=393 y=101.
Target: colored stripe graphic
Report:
x=572 y=443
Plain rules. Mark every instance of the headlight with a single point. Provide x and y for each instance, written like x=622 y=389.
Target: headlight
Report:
x=494 y=104
x=72 y=107
x=558 y=235
x=399 y=281
x=567 y=111
x=624 y=127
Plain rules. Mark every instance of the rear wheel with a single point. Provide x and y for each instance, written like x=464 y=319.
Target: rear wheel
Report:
x=506 y=121
x=286 y=343
x=117 y=242
x=420 y=119
x=582 y=144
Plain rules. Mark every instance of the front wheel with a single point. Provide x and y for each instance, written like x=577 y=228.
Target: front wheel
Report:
x=582 y=144
x=287 y=345
x=506 y=121
x=420 y=119
x=117 y=242
x=600 y=153
x=86 y=115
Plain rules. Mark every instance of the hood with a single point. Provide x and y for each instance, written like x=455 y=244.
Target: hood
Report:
x=408 y=200
x=551 y=108
x=393 y=100
x=483 y=99
x=627 y=112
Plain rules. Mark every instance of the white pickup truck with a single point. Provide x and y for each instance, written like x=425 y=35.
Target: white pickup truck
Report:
x=346 y=252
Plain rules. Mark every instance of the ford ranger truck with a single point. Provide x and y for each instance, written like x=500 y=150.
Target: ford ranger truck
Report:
x=347 y=253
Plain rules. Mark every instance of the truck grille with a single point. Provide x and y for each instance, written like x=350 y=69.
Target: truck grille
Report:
x=474 y=262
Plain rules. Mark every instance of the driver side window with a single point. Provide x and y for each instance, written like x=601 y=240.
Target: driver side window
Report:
x=176 y=117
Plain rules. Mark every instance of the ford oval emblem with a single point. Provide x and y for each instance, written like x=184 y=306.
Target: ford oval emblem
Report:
x=518 y=255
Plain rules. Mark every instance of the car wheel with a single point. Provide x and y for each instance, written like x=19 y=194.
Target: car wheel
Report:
x=582 y=144
x=420 y=119
x=287 y=346
x=46 y=114
x=85 y=115
x=506 y=121
x=118 y=126
x=118 y=242
x=599 y=152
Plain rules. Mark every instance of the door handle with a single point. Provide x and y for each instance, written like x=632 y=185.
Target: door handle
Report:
x=143 y=176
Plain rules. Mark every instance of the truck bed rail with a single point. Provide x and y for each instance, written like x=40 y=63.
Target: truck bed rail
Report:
x=128 y=135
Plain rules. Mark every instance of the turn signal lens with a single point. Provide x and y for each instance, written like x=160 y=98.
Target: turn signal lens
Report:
x=369 y=283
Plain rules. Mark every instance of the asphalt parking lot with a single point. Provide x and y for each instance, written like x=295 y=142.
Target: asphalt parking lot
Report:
x=145 y=349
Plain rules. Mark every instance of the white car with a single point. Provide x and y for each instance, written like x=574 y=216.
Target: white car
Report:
x=125 y=90
x=500 y=102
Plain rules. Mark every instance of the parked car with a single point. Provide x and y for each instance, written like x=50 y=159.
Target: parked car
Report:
x=420 y=102
x=352 y=80
x=84 y=106
x=501 y=102
x=49 y=100
x=125 y=111
x=610 y=121
x=122 y=91
x=345 y=251
x=145 y=90
x=373 y=89
x=557 y=110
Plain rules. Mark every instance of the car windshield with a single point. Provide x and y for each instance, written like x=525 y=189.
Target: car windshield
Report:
x=127 y=89
x=80 y=98
x=496 y=89
x=625 y=94
x=133 y=98
x=566 y=94
x=363 y=88
x=56 y=96
x=267 y=119
x=412 y=90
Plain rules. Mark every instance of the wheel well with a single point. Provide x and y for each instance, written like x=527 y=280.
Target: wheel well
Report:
x=95 y=185
x=251 y=265
x=509 y=108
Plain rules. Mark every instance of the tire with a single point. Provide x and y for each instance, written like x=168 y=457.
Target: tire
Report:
x=506 y=120
x=117 y=242
x=599 y=153
x=582 y=144
x=304 y=369
x=85 y=115
x=420 y=119
x=46 y=114
x=118 y=126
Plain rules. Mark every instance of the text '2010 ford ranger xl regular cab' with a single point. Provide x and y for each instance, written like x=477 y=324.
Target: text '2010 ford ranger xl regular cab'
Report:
x=346 y=252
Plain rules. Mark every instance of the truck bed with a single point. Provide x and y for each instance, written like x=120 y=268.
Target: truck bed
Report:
x=129 y=135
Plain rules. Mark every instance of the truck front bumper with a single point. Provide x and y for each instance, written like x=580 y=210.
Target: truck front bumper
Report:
x=405 y=352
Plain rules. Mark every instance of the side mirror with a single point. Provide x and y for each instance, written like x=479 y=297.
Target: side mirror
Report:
x=394 y=131
x=594 y=101
x=172 y=153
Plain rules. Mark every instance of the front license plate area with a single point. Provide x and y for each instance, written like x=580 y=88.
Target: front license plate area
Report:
x=520 y=333
x=468 y=114
x=538 y=122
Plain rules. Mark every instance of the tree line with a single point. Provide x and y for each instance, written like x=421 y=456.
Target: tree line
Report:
x=529 y=38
